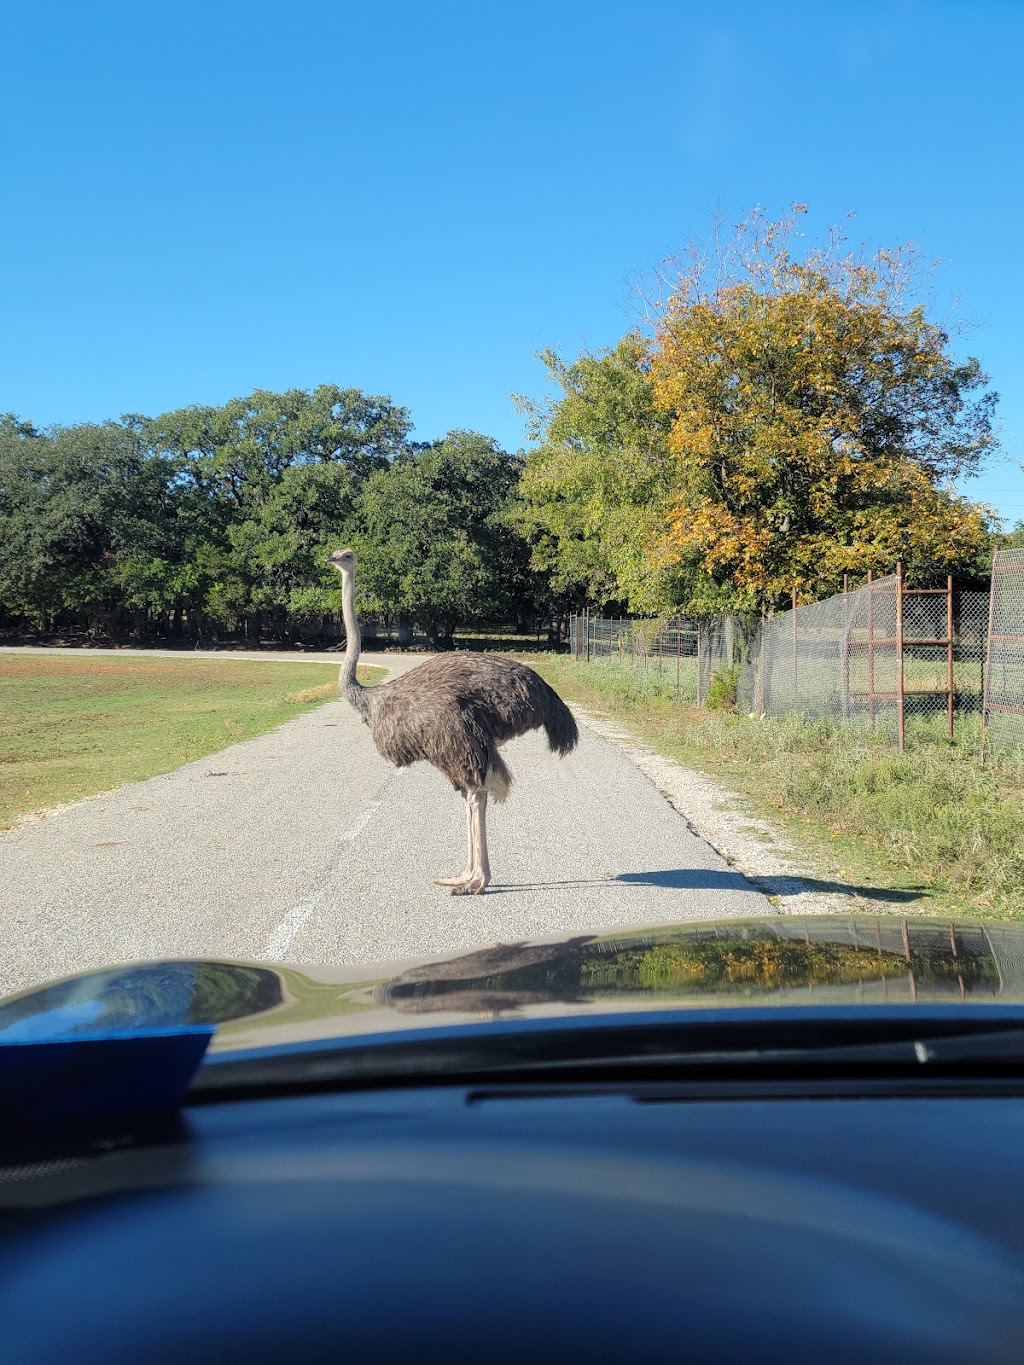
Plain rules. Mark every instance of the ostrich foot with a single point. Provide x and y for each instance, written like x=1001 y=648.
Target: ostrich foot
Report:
x=460 y=880
x=474 y=886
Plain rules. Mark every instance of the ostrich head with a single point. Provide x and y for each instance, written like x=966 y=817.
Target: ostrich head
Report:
x=343 y=560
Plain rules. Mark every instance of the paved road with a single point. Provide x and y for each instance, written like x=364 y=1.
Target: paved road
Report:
x=305 y=846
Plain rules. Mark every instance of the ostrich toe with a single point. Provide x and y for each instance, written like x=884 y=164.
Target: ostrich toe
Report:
x=460 y=880
x=474 y=886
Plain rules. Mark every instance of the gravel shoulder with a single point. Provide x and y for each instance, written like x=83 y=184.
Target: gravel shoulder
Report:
x=750 y=844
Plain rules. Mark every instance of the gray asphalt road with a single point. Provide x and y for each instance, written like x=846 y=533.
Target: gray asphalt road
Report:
x=305 y=846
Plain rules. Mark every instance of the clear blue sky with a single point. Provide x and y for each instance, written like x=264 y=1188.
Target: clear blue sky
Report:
x=204 y=198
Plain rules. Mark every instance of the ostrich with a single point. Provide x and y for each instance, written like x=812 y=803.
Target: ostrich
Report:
x=454 y=711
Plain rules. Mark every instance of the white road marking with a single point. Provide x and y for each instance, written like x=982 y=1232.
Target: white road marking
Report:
x=361 y=823
x=284 y=934
x=281 y=939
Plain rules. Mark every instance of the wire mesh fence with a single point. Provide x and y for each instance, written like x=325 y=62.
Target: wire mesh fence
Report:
x=728 y=646
x=686 y=654
x=665 y=649
x=831 y=659
x=894 y=659
x=1003 y=710
x=883 y=655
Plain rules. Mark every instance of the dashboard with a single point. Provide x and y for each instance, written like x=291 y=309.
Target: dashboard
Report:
x=487 y=1223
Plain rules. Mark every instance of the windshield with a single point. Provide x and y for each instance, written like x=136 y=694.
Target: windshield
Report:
x=507 y=516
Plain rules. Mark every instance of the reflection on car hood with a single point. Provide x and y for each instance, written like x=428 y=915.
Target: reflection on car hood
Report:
x=785 y=961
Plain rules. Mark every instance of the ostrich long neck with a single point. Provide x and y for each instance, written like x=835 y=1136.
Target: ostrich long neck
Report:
x=347 y=683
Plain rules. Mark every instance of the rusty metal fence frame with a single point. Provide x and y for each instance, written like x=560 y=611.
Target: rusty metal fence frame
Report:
x=902 y=642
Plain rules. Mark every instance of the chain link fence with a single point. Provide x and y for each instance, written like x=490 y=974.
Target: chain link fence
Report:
x=893 y=659
x=667 y=650
x=884 y=655
x=687 y=654
x=1003 y=713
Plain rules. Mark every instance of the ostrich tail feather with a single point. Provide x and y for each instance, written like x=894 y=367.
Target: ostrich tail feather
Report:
x=498 y=779
x=559 y=724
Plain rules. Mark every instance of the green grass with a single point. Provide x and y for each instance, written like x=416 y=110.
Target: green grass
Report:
x=930 y=823
x=74 y=725
x=660 y=677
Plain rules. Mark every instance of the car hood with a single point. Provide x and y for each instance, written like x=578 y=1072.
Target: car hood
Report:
x=735 y=964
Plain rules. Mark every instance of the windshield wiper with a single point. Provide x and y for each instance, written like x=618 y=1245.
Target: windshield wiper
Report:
x=998 y=1047
x=658 y=1051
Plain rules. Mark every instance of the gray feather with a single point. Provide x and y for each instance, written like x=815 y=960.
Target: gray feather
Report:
x=455 y=710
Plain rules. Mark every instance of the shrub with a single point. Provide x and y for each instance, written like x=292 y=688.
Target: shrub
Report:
x=723 y=689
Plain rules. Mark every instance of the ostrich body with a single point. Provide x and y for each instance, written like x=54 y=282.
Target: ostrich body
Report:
x=454 y=711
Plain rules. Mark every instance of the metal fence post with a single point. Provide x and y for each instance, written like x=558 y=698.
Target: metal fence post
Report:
x=871 y=649
x=949 y=651
x=846 y=646
x=900 y=698
x=796 y=678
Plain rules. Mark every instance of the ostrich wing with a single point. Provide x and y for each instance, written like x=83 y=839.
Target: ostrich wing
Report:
x=455 y=710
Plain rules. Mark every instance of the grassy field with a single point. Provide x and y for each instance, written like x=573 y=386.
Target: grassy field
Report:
x=930 y=822
x=74 y=725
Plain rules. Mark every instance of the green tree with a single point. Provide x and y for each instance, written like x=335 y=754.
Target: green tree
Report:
x=272 y=565
x=434 y=542
x=96 y=530
x=593 y=492
x=70 y=501
x=281 y=474
x=240 y=451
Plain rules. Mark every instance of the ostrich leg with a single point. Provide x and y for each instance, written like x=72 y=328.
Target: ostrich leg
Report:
x=476 y=804
x=464 y=877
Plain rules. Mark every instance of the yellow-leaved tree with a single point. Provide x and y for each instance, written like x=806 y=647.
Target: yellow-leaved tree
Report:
x=816 y=421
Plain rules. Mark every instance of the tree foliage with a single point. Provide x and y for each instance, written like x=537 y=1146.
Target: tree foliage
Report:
x=220 y=519
x=593 y=491
x=281 y=475
x=436 y=546
x=816 y=420
x=85 y=519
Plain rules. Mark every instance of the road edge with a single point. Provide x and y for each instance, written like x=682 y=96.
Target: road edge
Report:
x=747 y=842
